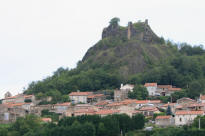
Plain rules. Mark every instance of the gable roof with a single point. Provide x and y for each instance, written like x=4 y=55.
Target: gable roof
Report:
x=80 y=93
x=150 y=84
x=189 y=112
x=164 y=86
x=106 y=112
x=163 y=117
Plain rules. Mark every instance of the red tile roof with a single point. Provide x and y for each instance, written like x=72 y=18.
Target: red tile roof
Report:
x=96 y=96
x=106 y=112
x=63 y=104
x=80 y=93
x=148 y=109
x=168 y=104
x=164 y=86
x=189 y=112
x=46 y=119
x=175 y=89
x=150 y=84
x=102 y=103
x=163 y=117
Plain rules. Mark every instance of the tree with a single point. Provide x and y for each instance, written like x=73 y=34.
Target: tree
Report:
x=101 y=129
x=139 y=92
x=169 y=110
x=138 y=121
x=114 y=21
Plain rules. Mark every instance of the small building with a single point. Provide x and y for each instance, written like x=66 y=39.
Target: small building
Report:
x=96 y=98
x=202 y=98
x=120 y=95
x=127 y=87
x=106 y=112
x=149 y=110
x=186 y=117
x=151 y=88
x=79 y=97
x=164 y=121
x=185 y=101
x=61 y=107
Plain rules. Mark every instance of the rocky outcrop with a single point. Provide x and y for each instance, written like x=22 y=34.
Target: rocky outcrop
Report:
x=140 y=30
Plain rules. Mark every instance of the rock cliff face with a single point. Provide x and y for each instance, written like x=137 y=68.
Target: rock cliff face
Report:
x=127 y=50
x=139 y=30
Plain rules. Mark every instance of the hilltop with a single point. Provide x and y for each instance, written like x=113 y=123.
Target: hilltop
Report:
x=128 y=54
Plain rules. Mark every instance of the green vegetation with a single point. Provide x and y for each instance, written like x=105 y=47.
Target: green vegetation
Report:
x=139 y=93
x=111 y=125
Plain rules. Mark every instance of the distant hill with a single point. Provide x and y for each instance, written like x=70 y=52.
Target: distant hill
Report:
x=133 y=54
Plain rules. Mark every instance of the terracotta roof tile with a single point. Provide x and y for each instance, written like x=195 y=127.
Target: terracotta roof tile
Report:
x=106 y=112
x=80 y=93
x=96 y=96
x=150 y=84
x=63 y=104
x=163 y=117
x=164 y=86
x=189 y=112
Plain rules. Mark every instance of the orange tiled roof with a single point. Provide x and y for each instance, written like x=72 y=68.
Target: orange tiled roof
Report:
x=114 y=104
x=106 y=112
x=95 y=95
x=148 y=109
x=150 y=84
x=80 y=93
x=163 y=117
x=175 y=89
x=63 y=104
x=189 y=112
x=164 y=86
x=46 y=119
x=102 y=103
x=168 y=104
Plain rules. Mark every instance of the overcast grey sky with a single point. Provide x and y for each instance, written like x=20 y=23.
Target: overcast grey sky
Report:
x=39 y=36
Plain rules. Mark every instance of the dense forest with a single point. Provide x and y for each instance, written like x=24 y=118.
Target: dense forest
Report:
x=85 y=125
x=116 y=60
x=89 y=125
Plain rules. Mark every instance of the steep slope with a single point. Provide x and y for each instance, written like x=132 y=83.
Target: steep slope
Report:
x=127 y=50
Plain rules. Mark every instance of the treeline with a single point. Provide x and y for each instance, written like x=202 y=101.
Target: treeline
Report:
x=112 y=125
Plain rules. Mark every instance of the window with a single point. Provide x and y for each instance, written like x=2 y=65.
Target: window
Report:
x=180 y=119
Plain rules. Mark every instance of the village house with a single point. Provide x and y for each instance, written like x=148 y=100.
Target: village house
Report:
x=185 y=101
x=202 y=98
x=151 y=88
x=95 y=98
x=149 y=110
x=9 y=113
x=172 y=106
x=164 y=121
x=61 y=107
x=186 y=117
x=122 y=94
x=127 y=87
x=106 y=112
x=20 y=98
x=79 y=97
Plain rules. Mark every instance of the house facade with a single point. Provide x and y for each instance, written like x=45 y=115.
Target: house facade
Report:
x=151 y=88
x=186 y=117
x=79 y=97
